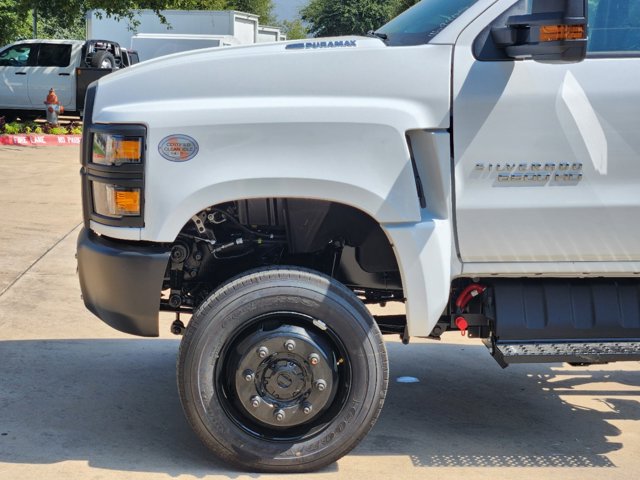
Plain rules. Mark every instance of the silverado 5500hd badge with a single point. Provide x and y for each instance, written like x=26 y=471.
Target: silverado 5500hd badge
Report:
x=529 y=174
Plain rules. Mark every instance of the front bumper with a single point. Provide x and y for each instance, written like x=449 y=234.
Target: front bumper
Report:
x=121 y=282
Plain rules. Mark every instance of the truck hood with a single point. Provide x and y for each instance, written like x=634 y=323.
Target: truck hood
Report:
x=352 y=42
x=298 y=72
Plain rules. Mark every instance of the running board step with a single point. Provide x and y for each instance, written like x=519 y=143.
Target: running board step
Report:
x=570 y=352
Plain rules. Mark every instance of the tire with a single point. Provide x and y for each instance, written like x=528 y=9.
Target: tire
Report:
x=254 y=398
x=103 y=59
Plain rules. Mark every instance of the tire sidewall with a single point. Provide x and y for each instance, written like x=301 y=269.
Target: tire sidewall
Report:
x=346 y=317
x=100 y=57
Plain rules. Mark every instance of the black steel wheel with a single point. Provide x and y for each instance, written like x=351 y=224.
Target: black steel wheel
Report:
x=282 y=370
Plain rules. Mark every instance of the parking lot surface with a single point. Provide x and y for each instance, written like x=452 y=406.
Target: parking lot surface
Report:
x=79 y=400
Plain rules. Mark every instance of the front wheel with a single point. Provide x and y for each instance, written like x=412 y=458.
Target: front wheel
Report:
x=282 y=370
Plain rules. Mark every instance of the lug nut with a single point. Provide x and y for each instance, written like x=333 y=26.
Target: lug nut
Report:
x=290 y=345
x=306 y=409
x=279 y=414
x=248 y=375
x=263 y=352
x=255 y=401
x=314 y=359
x=321 y=385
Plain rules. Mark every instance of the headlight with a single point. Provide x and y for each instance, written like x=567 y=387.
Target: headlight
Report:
x=111 y=149
x=113 y=162
x=115 y=201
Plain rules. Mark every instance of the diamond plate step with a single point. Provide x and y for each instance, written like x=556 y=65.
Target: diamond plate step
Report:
x=572 y=352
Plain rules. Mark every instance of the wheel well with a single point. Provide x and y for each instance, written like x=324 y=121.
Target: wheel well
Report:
x=225 y=240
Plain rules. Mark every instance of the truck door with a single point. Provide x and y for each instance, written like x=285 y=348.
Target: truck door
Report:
x=14 y=70
x=55 y=69
x=547 y=156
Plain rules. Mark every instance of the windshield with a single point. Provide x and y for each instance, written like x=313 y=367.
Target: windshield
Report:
x=423 y=21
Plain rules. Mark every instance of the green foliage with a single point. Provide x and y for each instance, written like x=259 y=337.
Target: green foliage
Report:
x=75 y=128
x=197 y=4
x=263 y=8
x=29 y=127
x=350 y=17
x=402 y=5
x=294 y=29
x=14 y=22
x=15 y=128
x=12 y=128
x=32 y=127
x=68 y=28
x=58 y=131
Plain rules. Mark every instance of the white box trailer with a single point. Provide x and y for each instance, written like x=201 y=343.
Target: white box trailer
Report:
x=270 y=34
x=153 y=45
x=242 y=26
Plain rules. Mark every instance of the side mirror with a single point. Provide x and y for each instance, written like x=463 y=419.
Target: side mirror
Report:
x=554 y=31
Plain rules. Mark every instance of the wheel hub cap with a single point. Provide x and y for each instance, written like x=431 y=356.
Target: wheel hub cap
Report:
x=284 y=380
x=291 y=384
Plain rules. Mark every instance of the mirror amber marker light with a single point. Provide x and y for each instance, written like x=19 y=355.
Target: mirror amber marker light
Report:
x=554 y=33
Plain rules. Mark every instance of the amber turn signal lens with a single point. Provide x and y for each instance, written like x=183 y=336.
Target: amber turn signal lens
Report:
x=554 y=33
x=127 y=202
x=128 y=150
x=114 y=150
x=116 y=201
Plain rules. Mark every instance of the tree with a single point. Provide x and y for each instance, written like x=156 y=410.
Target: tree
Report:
x=347 y=17
x=52 y=27
x=14 y=23
x=262 y=8
x=402 y=5
x=294 y=29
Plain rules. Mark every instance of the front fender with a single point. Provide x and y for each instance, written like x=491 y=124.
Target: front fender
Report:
x=366 y=166
x=424 y=253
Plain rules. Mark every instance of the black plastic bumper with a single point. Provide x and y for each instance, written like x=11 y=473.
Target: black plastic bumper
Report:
x=121 y=282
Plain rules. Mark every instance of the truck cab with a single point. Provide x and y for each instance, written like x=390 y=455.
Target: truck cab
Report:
x=474 y=160
x=30 y=68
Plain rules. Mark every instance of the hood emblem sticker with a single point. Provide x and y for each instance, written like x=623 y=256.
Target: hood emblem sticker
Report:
x=178 y=148
x=323 y=44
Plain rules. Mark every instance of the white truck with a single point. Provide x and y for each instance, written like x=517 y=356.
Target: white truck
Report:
x=30 y=68
x=154 y=45
x=244 y=27
x=475 y=159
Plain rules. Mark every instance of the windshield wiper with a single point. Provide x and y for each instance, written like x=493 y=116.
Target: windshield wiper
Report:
x=382 y=36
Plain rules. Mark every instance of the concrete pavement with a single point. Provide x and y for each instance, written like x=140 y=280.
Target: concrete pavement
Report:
x=79 y=400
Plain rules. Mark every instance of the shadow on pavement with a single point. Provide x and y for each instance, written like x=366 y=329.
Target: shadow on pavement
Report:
x=114 y=404
x=467 y=412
